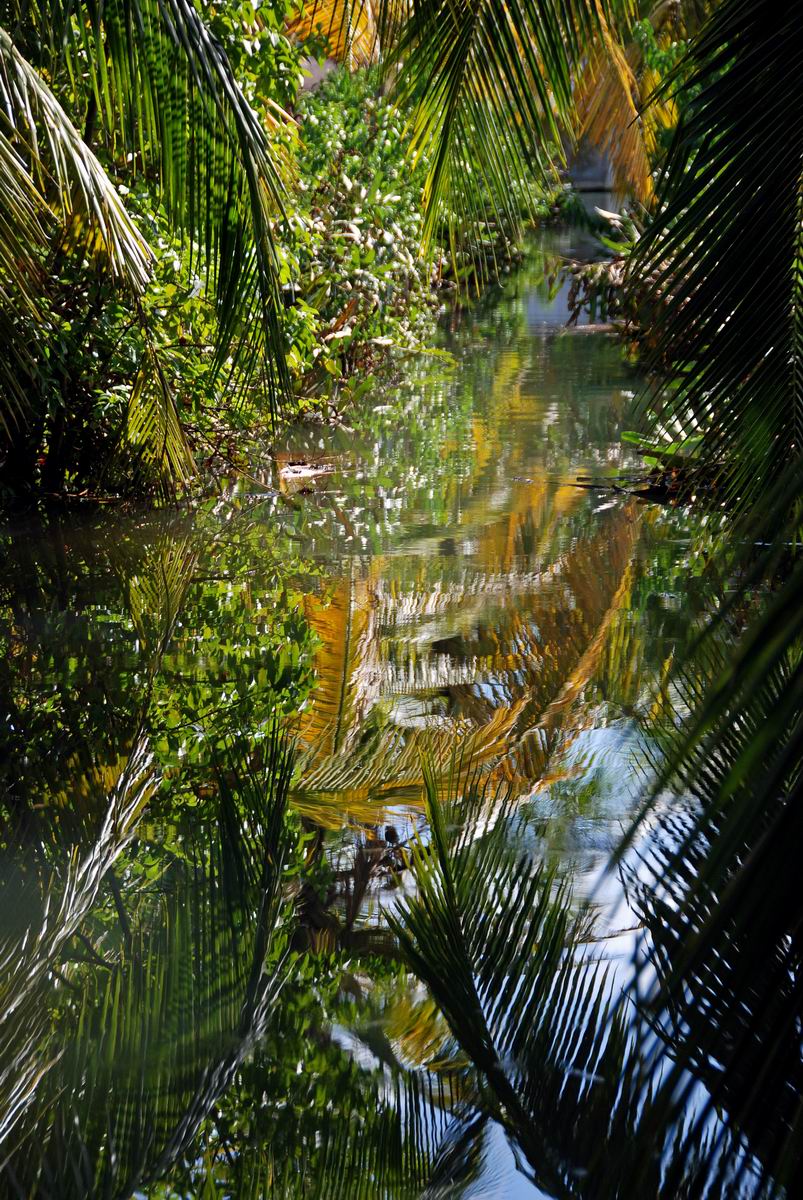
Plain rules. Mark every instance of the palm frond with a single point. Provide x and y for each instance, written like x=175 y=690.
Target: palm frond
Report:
x=351 y=30
x=723 y=255
x=618 y=108
x=45 y=161
x=712 y=881
x=153 y=429
x=491 y=89
x=164 y=92
x=608 y=103
x=36 y=131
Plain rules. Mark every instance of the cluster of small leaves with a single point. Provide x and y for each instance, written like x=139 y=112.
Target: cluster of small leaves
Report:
x=356 y=284
x=266 y=62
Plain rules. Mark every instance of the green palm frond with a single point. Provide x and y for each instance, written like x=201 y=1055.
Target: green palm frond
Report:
x=163 y=91
x=40 y=146
x=42 y=154
x=491 y=88
x=724 y=254
x=153 y=430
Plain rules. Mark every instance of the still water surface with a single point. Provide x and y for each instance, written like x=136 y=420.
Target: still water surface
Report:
x=429 y=576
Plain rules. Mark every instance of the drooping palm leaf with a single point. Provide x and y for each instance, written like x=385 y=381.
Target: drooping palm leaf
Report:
x=153 y=430
x=618 y=111
x=40 y=140
x=724 y=254
x=491 y=89
x=608 y=103
x=164 y=91
x=44 y=159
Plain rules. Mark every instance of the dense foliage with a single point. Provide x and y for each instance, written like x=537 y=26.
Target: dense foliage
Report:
x=193 y=247
x=174 y=298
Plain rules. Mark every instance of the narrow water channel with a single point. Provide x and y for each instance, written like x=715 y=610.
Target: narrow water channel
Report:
x=435 y=573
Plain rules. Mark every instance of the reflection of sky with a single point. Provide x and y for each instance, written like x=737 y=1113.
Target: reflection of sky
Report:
x=499 y=1177
x=542 y=311
x=569 y=244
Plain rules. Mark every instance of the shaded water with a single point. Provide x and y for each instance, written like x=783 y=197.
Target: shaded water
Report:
x=431 y=577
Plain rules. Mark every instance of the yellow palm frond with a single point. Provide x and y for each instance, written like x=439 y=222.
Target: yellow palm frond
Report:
x=351 y=31
x=607 y=104
x=617 y=108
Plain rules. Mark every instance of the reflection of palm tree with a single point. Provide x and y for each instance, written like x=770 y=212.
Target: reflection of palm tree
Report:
x=719 y=1114
x=61 y=903
x=525 y=639
x=536 y=1026
x=712 y=882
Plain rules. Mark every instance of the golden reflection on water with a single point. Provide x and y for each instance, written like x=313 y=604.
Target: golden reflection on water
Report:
x=494 y=656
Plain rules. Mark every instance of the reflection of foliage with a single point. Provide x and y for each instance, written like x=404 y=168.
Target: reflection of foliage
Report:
x=158 y=624
x=46 y=898
x=576 y=1084
x=280 y=1147
x=78 y=653
x=174 y=951
x=110 y=655
x=150 y=1030
x=718 y=1114
x=526 y=638
x=495 y=938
